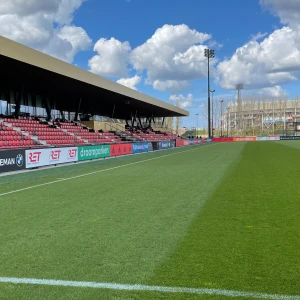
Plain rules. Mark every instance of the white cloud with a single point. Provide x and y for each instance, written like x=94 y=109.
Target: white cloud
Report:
x=32 y=22
x=287 y=10
x=130 y=82
x=275 y=91
x=112 y=58
x=182 y=101
x=272 y=62
x=173 y=56
x=258 y=36
x=66 y=10
x=77 y=37
x=28 y=7
x=173 y=86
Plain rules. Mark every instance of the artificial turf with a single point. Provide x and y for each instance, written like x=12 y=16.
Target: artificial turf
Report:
x=218 y=216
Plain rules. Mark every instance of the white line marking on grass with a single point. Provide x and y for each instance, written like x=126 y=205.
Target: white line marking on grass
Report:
x=100 y=171
x=147 y=288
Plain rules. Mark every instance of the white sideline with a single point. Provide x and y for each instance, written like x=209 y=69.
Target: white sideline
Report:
x=99 y=171
x=149 y=288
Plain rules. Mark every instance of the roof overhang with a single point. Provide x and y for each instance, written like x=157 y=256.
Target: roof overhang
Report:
x=44 y=74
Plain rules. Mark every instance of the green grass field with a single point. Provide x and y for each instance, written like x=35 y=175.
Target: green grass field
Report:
x=218 y=217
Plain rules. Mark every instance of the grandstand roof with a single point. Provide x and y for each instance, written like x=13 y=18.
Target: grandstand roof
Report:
x=66 y=83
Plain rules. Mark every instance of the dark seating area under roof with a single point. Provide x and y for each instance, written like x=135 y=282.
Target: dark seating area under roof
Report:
x=25 y=69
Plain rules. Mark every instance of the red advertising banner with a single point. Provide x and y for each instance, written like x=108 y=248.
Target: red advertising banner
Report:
x=245 y=139
x=120 y=149
x=186 y=142
x=219 y=140
x=179 y=143
x=196 y=142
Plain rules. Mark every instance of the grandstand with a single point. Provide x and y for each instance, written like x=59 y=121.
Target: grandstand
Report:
x=49 y=103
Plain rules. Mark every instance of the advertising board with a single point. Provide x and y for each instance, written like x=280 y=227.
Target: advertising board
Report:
x=179 y=143
x=268 y=138
x=165 y=145
x=150 y=146
x=120 y=149
x=51 y=156
x=155 y=146
x=93 y=152
x=140 y=147
x=191 y=142
x=244 y=139
x=173 y=142
x=12 y=160
x=285 y=138
x=222 y=140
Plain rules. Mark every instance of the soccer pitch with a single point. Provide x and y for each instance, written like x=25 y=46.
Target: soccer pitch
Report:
x=215 y=221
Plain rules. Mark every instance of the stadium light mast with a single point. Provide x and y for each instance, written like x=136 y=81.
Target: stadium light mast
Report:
x=208 y=53
x=197 y=116
x=212 y=113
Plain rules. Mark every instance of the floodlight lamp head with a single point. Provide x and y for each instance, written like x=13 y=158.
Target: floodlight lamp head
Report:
x=239 y=86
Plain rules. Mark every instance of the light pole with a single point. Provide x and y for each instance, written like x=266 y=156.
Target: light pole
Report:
x=197 y=124
x=221 y=117
x=209 y=54
x=212 y=112
x=227 y=115
x=262 y=122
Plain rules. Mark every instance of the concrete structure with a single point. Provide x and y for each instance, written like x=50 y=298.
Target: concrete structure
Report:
x=261 y=117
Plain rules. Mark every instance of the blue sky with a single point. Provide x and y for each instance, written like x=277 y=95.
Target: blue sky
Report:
x=247 y=36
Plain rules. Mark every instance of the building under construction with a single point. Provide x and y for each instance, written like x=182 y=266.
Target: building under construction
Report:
x=257 y=116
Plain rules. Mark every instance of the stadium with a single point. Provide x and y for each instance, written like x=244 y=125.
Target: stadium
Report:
x=100 y=200
x=260 y=116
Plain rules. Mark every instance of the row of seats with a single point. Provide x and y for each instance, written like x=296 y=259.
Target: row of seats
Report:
x=10 y=138
x=92 y=137
x=17 y=144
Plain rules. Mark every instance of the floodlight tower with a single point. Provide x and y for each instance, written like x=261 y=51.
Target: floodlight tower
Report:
x=239 y=88
x=209 y=54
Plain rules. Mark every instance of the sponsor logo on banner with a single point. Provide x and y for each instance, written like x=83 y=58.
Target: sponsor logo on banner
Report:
x=268 y=138
x=120 y=149
x=245 y=139
x=34 y=156
x=191 y=142
x=12 y=160
x=290 y=138
x=93 y=152
x=220 y=140
x=45 y=157
x=19 y=160
x=72 y=153
x=165 y=145
x=54 y=155
x=140 y=147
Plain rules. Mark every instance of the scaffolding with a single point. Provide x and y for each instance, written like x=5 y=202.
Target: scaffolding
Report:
x=257 y=116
